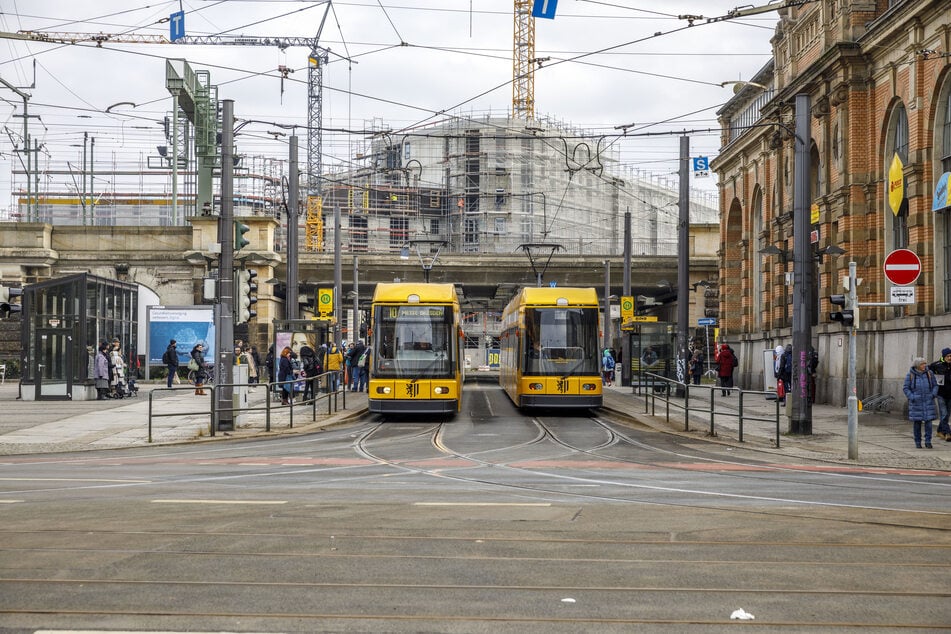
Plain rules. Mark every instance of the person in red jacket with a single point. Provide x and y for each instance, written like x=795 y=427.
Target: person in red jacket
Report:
x=726 y=364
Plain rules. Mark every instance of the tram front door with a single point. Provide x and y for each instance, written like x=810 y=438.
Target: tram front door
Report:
x=53 y=380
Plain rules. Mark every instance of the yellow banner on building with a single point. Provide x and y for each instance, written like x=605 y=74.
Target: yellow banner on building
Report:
x=896 y=184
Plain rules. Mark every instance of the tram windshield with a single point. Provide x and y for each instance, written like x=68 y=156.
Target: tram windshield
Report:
x=561 y=341
x=414 y=342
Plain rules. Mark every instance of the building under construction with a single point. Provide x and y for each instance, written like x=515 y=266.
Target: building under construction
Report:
x=490 y=184
x=475 y=185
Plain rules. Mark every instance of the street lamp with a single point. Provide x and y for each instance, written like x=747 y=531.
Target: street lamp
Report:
x=739 y=85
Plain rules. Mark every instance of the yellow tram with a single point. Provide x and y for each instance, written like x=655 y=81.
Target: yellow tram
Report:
x=416 y=361
x=549 y=348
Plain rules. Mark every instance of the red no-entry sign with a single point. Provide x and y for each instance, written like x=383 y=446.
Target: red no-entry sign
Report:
x=902 y=267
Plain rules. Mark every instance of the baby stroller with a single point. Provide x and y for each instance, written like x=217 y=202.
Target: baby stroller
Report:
x=125 y=388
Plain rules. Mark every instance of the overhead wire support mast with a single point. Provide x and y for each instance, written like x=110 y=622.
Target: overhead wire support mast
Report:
x=317 y=58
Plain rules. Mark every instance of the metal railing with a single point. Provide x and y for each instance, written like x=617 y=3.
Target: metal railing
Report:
x=669 y=391
x=320 y=384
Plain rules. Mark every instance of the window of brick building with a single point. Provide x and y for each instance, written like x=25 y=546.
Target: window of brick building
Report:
x=897 y=144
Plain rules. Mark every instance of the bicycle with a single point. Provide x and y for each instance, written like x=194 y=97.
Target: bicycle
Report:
x=209 y=375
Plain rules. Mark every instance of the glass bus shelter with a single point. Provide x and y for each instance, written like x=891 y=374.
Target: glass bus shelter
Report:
x=64 y=321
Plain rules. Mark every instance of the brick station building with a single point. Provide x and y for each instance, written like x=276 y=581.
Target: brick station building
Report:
x=878 y=77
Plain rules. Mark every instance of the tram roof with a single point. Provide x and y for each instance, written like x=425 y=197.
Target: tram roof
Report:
x=549 y=296
x=398 y=293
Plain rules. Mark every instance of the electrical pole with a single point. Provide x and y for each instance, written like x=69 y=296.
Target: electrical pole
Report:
x=803 y=274
x=852 y=400
x=338 y=277
x=26 y=141
x=683 y=263
x=292 y=307
x=355 y=324
x=626 y=335
x=224 y=318
x=606 y=342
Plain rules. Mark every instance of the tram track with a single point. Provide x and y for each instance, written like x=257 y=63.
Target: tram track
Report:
x=546 y=434
x=323 y=567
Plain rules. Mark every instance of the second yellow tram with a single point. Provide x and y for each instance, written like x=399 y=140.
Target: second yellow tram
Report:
x=416 y=361
x=549 y=348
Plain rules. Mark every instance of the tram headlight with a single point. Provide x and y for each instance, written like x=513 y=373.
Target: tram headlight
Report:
x=535 y=386
x=441 y=390
x=589 y=387
x=383 y=390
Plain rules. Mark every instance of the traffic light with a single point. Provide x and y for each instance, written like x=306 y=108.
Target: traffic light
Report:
x=239 y=230
x=8 y=305
x=847 y=315
x=244 y=295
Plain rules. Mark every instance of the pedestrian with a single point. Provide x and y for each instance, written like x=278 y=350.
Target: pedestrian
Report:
x=333 y=363
x=607 y=367
x=296 y=369
x=256 y=357
x=726 y=363
x=102 y=372
x=812 y=365
x=248 y=359
x=356 y=370
x=310 y=370
x=347 y=373
x=363 y=363
x=118 y=368
x=285 y=376
x=785 y=371
x=197 y=356
x=696 y=366
x=921 y=388
x=170 y=359
x=269 y=362
x=942 y=374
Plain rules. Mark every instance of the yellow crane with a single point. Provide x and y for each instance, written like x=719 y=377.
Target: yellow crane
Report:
x=523 y=58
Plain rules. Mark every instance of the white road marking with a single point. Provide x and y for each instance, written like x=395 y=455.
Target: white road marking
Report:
x=219 y=501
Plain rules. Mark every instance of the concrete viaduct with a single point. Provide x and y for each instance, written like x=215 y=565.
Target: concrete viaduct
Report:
x=172 y=262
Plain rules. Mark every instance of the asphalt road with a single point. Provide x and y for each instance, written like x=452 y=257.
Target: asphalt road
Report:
x=494 y=521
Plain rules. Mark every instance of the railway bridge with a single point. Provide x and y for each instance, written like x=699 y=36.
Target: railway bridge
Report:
x=174 y=261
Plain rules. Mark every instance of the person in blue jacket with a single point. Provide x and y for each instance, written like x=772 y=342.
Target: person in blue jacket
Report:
x=921 y=388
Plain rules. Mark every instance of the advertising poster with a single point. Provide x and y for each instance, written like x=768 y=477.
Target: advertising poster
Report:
x=187 y=325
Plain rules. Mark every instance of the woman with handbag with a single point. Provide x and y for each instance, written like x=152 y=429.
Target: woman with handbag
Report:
x=285 y=373
x=197 y=363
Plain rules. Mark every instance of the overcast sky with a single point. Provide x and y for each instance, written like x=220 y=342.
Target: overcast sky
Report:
x=612 y=63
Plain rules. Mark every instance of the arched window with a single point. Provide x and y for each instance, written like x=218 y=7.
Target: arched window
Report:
x=901 y=133
x=944 y=125
x=896 y=143
x=815 y=173
x=942 y=145
x=757 y=276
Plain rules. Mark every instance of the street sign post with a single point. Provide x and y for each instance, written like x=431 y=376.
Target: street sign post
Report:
x=902 y=267
x=701 y=167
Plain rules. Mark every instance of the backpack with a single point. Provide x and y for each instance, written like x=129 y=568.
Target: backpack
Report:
x=167 y=357
x=608 y=362
x=362 y=361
